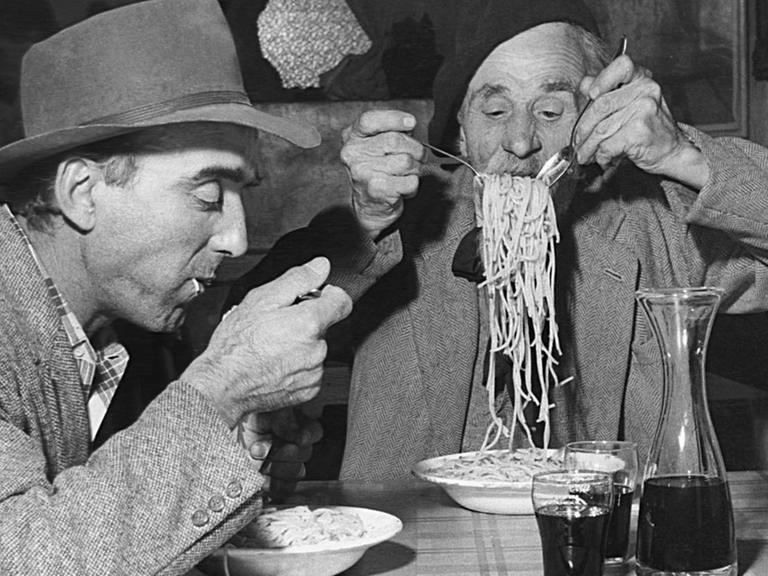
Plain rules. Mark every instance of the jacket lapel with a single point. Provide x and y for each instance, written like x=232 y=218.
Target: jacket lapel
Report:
x=447 y=309
x=54 y=401
x=597 y=279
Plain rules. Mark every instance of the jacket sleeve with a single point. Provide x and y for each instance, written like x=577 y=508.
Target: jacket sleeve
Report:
x=727 y=221
x=736 y=196
x=156 y=498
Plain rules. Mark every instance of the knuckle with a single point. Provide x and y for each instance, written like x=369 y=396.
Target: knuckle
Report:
x=647 y=106
x=402 y=162
x=316 y=356
x=379 y=185
x=411 y=185
x=367 y=121
x=347 y=155
x=394 y=140
x=359 y=173
x=309 y=319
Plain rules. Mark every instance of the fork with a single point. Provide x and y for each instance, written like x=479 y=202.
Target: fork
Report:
x=450 y=158
x=556 y=166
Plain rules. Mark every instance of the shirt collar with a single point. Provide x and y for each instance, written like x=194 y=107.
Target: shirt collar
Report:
x=83 y=350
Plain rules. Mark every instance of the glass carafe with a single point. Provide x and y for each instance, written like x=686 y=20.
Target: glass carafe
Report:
x=685 y=525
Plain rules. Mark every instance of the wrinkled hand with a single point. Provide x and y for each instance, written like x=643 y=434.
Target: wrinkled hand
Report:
x=268 y=353
x=283 y=441
x=629 y=118
x=383 y=163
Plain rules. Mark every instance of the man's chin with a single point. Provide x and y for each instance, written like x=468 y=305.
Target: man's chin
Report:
x=175 y=320
x=164 y=322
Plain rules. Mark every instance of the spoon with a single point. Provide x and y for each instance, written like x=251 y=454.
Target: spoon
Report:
x=311 y=295
x=560 y=163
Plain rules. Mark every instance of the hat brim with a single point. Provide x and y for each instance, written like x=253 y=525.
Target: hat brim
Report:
x=17 y=155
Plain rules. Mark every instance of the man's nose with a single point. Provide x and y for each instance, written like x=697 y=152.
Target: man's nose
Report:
x=231 y=236
x=520 y=137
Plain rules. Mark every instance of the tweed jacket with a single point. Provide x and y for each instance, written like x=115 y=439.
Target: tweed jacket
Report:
x=154 y=499
x=417 y=387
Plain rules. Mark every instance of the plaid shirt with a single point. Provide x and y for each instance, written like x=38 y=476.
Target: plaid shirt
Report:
x=100 y=371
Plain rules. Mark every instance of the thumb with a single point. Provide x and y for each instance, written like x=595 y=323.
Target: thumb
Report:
x=284 y=290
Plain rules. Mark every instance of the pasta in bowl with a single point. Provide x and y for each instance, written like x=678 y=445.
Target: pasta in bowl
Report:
x=491 y=481
x=302 y=541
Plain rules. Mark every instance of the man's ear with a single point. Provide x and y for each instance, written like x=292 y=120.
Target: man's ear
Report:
x=75 y=180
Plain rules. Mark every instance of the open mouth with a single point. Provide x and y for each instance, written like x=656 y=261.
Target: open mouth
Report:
x=201 y=284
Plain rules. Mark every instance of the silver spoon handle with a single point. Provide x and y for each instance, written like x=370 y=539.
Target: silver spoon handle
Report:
x=619 y=52
x=311 y=295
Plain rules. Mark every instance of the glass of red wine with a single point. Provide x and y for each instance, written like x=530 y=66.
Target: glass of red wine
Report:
x=619 y=458
x=573 y=509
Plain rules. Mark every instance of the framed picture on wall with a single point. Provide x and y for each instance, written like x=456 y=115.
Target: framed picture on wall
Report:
x=696 y=50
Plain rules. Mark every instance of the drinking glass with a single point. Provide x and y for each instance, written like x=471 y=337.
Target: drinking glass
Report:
x=573 y=508
x=618 y=458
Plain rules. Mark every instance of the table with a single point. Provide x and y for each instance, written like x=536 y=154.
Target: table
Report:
x=440 y=538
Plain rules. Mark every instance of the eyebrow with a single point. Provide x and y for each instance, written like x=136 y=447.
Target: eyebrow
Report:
x=237 y=175
x=560 y=86
x=489 y=90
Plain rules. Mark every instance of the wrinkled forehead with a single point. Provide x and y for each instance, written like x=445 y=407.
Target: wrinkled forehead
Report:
x=199 y=146
x=545 y=54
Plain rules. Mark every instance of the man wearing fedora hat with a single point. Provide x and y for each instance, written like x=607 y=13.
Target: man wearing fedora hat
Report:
x=682 y=208
x=120 y=202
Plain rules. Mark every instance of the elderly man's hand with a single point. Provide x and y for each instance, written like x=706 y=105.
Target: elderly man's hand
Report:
x=383 y=162
x=283 y=441
x=268 y=353
x=629 y=118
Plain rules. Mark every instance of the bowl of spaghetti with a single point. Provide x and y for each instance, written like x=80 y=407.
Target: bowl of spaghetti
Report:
x=302 y=541
x=491 y=481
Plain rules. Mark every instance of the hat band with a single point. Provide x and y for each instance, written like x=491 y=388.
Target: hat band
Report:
x=157 y=109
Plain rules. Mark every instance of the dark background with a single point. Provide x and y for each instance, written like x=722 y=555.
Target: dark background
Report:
x=687 y=43
x=410 y=38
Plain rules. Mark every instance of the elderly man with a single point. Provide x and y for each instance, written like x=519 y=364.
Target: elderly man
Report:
x=660 y=204
x=120 y=202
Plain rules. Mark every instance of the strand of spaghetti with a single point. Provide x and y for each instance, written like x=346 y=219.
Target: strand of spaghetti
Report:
x=519 y=235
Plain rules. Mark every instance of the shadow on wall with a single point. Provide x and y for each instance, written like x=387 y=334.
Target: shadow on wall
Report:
x=296 y=185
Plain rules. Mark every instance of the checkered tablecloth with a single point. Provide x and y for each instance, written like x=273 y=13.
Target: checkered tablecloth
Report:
x=442 y=539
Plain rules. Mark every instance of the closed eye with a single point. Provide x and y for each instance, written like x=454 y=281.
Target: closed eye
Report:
x=549 y=108
x=209 y=196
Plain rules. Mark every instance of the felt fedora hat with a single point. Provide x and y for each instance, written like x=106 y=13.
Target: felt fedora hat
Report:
x=147 y=64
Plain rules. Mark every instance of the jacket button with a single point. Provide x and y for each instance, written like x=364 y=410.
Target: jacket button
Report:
x=200 y=518
x=216 y=503
x=234 y=489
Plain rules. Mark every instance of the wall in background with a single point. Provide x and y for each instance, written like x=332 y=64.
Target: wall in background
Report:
x=299 y=183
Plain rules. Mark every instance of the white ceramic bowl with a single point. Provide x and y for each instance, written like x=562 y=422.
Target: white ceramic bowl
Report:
x=481 y=495
x=325 y=559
